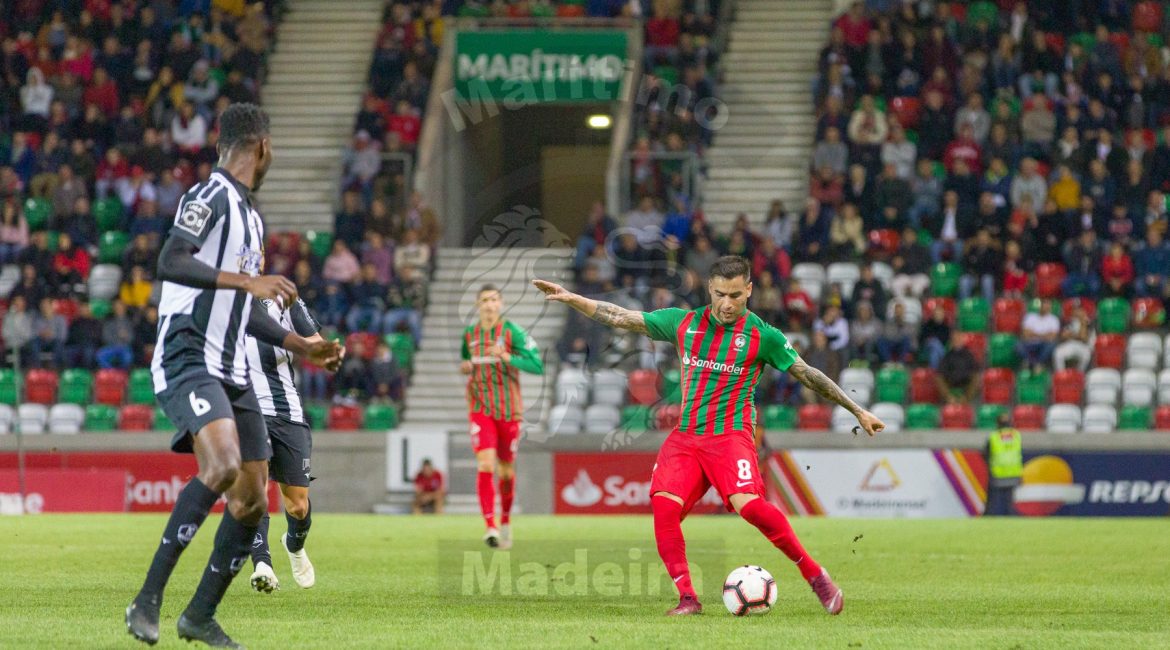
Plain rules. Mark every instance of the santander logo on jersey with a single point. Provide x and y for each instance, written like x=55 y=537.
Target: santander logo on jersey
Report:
x=625 y=487
x=714 y=366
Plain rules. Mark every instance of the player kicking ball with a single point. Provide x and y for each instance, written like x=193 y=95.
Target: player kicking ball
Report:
x=722 y=347
x=494 y=352
x=274 y=379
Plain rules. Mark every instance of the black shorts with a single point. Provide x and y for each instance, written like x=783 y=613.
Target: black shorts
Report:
x=194 y=403
x=292 y=449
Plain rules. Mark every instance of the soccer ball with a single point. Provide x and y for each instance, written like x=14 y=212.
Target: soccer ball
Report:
x=749 y=590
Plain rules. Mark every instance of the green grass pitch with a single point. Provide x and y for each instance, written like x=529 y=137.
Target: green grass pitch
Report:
x=421 y=582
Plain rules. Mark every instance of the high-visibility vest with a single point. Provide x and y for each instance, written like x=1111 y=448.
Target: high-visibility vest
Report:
x=1007 y=453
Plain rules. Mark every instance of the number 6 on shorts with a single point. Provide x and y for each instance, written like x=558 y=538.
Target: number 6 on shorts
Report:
x=198 y=404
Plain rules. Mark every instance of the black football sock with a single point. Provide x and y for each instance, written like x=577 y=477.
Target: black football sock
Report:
x=191 y=508
x=232 y=542
x=298 y=529
x=260 y=552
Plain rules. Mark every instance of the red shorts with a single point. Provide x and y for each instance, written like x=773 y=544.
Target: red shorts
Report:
x=689 y=464
x=489 y=433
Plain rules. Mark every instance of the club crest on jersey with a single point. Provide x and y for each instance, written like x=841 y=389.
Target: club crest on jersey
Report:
x=740 y=341
x=194 y=217
x=249 y=261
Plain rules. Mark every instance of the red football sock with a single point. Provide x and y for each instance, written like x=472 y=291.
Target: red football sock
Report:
x=672 y=548
x=506 y=500
x=487 y=498
x=774 y=525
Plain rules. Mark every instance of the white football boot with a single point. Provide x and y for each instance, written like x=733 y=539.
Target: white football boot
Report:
x=302 y=568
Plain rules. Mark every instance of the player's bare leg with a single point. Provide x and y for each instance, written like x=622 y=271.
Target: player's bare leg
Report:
x=507 y=472
x=668 y=514
x=774 y=525
x=298 y=514
x=217 y=451
x=485 y=461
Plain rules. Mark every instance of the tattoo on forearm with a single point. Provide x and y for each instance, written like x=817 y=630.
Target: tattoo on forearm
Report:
x=820 y=384
x=614 y=316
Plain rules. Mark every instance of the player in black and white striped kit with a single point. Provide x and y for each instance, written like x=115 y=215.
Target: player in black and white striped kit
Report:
x=274 y=379
x=210 y=266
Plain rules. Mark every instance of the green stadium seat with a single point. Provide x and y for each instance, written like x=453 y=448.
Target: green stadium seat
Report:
x=320 y=243
x=671 y=388
x=37 y=212
x=76 y=387
x=141 y=390
x=893 y=385
x=1112 y=316
x=8 y=386
x=381 y=416
x=924 y=237
x=1032 y=387
x=402 y=345
x=985 y=12
x=637 y=417
x=922 y=416
x=111 y=246
x=944 y=279
x=1135 y=418
x=987 y=417
x=318 y=415
x=161 y=421
x=101 y=417
x=107 y=213
x=52 y=241
x=1085 y=40
x=101 y=308
x=779 y=417
x=1001 y=351
x=974 y=315
x=667 y=73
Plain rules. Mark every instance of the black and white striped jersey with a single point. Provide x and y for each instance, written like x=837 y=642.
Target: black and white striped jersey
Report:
x=201 y=331
x=273 y=374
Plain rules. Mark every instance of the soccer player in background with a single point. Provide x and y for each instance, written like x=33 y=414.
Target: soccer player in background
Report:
x=274 y=379
x=722 y=347
x=495 y=351
x=210 y=266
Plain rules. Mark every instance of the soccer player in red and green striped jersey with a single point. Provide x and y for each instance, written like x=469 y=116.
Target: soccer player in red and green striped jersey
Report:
x=494 y=352
x=722 y=347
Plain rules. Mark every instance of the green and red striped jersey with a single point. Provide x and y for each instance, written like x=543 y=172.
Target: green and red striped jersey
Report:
x=494 y=387
x=720 y=365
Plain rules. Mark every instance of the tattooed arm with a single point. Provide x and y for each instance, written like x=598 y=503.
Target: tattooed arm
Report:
x=820 y=384
x=605 y=313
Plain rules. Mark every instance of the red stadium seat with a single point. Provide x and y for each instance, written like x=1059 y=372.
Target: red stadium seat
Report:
x=1055 y=41
x=999 y=385
x=668 y=417
x=1162 y=418
x=923 y=389
x=1070 y=304
x=1110 y=350
x=948 y=305
x=1007 y=315
x=344 y=417
x=1147 y=313
x=1068 y=386
x=814 y=417
x=907 y=110
x=68 y=308
x=976 y=342
x=1028 y=417
x=136 y=417
x=40 y=386
x=1121 y=41
x=884 y=243
x=644 y=386
x=110 y=386
x=1048 y=279
x=1147 y=16
x=570 y=11
x=368 y=342
x=958 y=416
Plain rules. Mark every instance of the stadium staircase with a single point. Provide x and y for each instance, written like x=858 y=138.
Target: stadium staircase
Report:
x=316 y=78
x=762 y=152
x=435 y=400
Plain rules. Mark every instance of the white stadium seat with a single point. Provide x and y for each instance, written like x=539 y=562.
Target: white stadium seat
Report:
x=602 y=418
x=1102 y=386
x=1063 y=418
x=891 y=414
x=843 y=421
x=1166 y=352
x=883 y=273
x=1164 y=386
x=7 y=417
x=565 y=418
x=912 y=305
x=573 y=387
x=1138 y=386
x=32 y=418
x=844 y=273
x=811 y=278
x=104 y=281
x=9 y=278
x=66 y=418
x=609 y=387
x=1099 y=418
x=857 y=384
x=1143 y=350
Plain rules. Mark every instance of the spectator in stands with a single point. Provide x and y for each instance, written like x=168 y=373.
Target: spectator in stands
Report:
x=927 y=193
x=146 y=334
x=891 y=201
x=378 y=252
x=964 y=148
x=1037 y=127
x=846 y=235
x=974 y=115
x=910 y=264
x=859 y=190
x=1040 y=332
x=117 y=338
x=32 y=287
x=766 y=301
x=18 y=330
x=835 y=328
x=405 y=299
x=934 y=335
x=353 y=378
x=201 y=89
x=71 y=265
x=429 y=490
x=188 y=131
x=958 y=373
x=79 y=224
x=341 y=265
x=949 y=229
x=1073 y=349
x=1082 y=259
x=50 y=330
x=361 y=164
x=779 y=225
x=386 y=376
x=645 y=222
x=13 y=231
x=868 y=129
x=1015 y=271
x=1117 y=272
x=868 y=288
x=1152 y=265
x=1065 y=191
x=831 y=153
x=898 y=338
x=1029 y=183
x=864 y=331
x=35 y=97
x=827 y=187
x=68 y=189
x=812 y=232
x=412 y=258
x=366 y=298
x=982 y=262
x=81 y=343
x=824 y=359
x=798 y=306
x=900 y=152
x=136 y=289
x=349 y=225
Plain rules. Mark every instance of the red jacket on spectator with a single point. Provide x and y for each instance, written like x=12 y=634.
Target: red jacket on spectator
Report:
x=108 y=172
x=1014 y=278
x=105 y=97
x=965 y=150
x=81 y=65
x=662 y=32
x=1117 y=268
x=75 y=260
x=100 y=9
x=779 y=263
x=406 y=126
x=856 y=31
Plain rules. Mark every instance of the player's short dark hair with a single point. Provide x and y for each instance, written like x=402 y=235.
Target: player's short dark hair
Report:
x=487 y=287
x=731 y=266
x=241 y=124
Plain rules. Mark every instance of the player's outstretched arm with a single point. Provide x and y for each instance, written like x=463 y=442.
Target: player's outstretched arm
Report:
x=603 y=312
x=820 y=384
